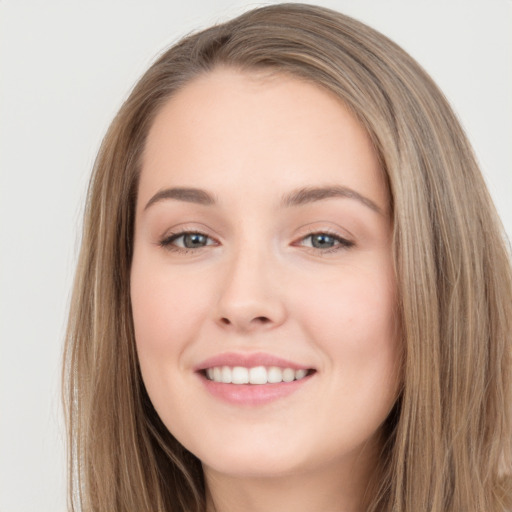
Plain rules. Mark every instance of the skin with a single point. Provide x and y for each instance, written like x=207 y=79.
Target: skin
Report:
x=260 y=283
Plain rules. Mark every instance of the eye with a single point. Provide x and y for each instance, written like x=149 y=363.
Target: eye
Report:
x=325 y=242
x=186 y=240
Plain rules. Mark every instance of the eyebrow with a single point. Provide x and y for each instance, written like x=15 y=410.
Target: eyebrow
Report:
x=189 y=195
x=297 y=197
x=311 y=194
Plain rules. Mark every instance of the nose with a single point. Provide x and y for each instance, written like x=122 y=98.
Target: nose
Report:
x=251 y=293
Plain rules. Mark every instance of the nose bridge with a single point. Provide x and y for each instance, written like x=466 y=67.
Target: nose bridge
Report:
x=249 y=289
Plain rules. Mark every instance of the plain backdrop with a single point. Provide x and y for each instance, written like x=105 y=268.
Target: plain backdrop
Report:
x=65 y=68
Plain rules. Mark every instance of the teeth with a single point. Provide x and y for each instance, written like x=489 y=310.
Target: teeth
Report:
x=300 y=374
x=239 y=375
x=258 y=375
x=274 y=375
x=255 y=375
x=226 y=374
x=288 y=375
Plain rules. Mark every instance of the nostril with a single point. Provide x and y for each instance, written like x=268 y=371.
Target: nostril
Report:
x=258 y=320
x=261 y=319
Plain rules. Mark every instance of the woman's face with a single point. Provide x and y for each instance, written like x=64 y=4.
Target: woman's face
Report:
x=263 y=253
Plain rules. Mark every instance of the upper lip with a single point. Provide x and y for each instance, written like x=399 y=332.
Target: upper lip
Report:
x=249 y=361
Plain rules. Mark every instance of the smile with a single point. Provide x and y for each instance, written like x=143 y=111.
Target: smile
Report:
x=252 y=379
x=255 y=375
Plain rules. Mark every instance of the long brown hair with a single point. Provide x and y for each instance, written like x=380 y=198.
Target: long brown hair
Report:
x=448 y=440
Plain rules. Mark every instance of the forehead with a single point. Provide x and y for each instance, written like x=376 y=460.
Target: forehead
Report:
x=271 y=130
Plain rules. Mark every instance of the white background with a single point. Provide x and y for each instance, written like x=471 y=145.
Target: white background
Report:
x=65 y=67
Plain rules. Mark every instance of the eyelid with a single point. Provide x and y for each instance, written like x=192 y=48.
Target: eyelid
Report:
x=344 y=242
x=166 y=242
x=184 y=228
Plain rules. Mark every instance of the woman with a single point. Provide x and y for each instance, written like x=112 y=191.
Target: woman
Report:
x=293 y=291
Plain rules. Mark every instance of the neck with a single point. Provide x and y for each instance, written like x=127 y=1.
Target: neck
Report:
x=329 y=489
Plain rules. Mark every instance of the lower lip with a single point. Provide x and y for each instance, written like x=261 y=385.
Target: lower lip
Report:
x=252 y=394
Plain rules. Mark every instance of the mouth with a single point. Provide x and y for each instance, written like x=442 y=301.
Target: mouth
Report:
x=257 y=375
x=252 y=379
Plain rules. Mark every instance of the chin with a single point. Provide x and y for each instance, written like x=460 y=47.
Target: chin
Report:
x=255 y=465
x=262 y=457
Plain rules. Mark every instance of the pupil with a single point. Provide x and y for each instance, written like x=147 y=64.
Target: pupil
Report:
x=194 y=240
x=322 y=241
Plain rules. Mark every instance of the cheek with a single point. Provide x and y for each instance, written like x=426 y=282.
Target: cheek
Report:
x=354 y=306
x=353 y=321
x=165 y=308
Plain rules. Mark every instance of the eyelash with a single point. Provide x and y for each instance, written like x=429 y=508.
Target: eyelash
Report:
x=340 y=242
x=167 y=242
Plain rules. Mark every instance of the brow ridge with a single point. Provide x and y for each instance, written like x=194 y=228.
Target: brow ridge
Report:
x=307 y=195
x=187 y=194
x=304 y=195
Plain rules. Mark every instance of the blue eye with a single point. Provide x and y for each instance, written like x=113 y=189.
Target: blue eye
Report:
x=326 y=241
x=193 y=240
x=322 y=241
x=186 y=240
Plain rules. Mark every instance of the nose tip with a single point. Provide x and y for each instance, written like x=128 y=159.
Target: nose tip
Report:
x=249 y=298
x=251 y=316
